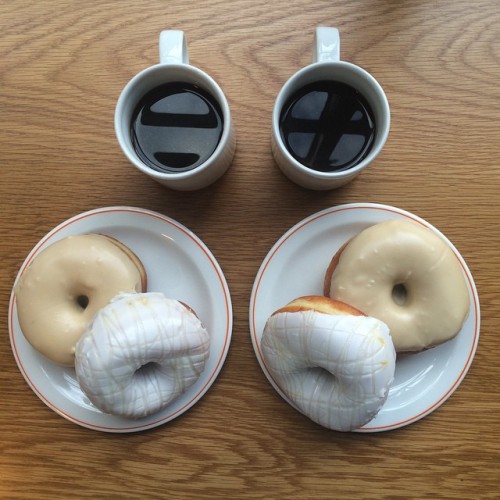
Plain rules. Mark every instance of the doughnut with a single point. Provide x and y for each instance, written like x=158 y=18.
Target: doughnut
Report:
x=333 y=363
x=405 y=275
x=140 y=352
x=66 y=284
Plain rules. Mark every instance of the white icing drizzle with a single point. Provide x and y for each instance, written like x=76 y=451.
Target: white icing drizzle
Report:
x=336 y=369
x=140 y=353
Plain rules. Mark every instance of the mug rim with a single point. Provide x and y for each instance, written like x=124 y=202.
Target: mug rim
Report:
x=285 y=92
x=214 y=90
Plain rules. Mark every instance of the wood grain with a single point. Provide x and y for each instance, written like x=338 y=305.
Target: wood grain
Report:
x=63 y=65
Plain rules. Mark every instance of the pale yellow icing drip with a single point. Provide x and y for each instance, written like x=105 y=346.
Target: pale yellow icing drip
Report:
x=401 y=252
x=48 y=292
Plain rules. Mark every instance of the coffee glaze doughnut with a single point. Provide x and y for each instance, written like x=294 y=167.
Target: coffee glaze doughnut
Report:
x=140 y=353
x=405 y=275
x=66 y=284
x=333 y=363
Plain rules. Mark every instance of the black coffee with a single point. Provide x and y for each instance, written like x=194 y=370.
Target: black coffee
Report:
x=327 y=126
x=176 y=127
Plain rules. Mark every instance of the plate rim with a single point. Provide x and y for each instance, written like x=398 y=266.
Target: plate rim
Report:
x=313 y=218
x=228 y=321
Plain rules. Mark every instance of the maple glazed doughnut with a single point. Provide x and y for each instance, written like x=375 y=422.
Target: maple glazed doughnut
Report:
x=405 y=275
x=332 y=362
x=140 y=353
x=66 y=284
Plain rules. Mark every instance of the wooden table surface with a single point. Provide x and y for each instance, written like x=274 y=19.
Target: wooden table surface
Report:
x=62 y=67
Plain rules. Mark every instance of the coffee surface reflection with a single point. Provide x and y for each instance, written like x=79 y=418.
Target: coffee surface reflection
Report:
x=327 y=126
x=176 y=127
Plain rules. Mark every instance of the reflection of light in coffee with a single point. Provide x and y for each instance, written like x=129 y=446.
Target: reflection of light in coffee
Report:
x=347 y=146
x=310 y=106
x=327 y=126
x=176 y=127
x=181 y=103
x=301 y=142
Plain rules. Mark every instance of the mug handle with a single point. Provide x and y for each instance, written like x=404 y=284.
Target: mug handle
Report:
x=326 y=45
x=173 y=47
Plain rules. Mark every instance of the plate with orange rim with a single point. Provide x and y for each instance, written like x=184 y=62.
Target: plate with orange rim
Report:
x=178 y=264
x=296 y=266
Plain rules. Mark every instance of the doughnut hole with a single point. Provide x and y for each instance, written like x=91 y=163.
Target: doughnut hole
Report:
x=146 y=369
x=322 y=376
x=320 y=372
x=399 y=294
x=82 y=301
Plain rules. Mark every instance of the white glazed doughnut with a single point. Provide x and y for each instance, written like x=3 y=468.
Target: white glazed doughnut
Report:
x=140 y=353
x=405 y=275
x=334 y=364
x=66 y=284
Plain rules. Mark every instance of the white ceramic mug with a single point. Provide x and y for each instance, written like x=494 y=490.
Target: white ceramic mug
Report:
x=174 y=67
x=327 y=66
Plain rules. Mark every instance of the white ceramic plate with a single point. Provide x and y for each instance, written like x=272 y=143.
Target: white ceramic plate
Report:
x=178 y=264
x=296 y=266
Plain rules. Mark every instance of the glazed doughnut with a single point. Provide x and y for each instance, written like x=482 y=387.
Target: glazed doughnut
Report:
x=140 y=353
x=405 y=275
x=66 y=284
x=333 y=363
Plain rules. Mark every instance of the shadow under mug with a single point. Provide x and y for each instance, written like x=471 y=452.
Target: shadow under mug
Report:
x=174 y=68
x=327 y=66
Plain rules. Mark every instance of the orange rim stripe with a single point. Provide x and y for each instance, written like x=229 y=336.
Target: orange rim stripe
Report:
x=215 y=266
x=415 y=219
